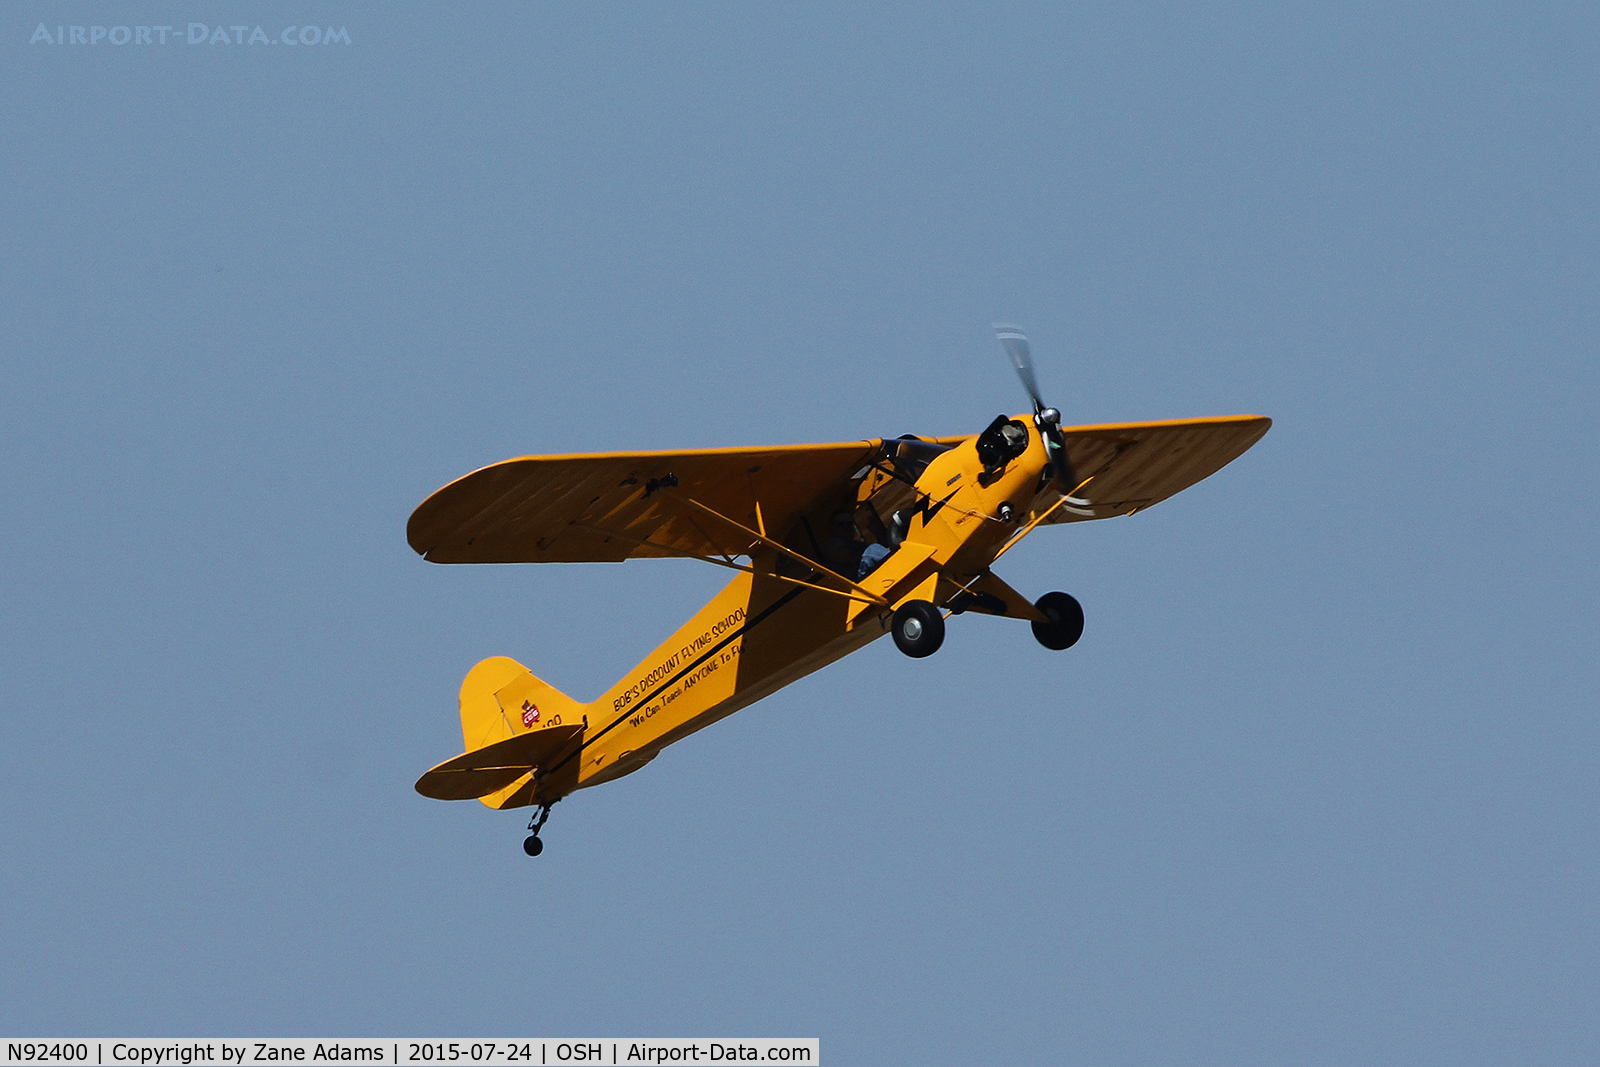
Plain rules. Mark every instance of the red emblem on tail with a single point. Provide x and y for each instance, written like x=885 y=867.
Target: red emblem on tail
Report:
x=530 y=713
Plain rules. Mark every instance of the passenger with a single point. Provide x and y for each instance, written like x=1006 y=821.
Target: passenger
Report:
x=871 y=556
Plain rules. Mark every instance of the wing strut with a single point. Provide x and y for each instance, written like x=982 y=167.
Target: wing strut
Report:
x=865 y=594
x=1051 y=510
x=728 y=563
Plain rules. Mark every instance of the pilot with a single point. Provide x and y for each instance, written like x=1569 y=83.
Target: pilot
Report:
x=846 y=552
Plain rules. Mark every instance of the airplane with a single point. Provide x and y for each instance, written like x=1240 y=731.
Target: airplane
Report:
x=835 y=545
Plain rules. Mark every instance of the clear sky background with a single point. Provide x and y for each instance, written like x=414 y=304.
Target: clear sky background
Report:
x=1318 y=786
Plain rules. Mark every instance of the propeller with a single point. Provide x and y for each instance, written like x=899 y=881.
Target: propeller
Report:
x=1047 y=419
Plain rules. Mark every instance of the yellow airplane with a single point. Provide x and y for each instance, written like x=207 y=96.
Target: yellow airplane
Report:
x=836 y=545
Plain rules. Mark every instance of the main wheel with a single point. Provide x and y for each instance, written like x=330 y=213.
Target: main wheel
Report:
x=533 y=846
x=918 y=629
x=1066 y=621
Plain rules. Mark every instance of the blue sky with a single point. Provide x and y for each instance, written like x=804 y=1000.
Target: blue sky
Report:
x=1318 y=785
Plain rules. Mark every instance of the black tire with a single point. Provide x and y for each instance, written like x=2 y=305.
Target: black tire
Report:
x=533 y=846
x=1066 y=621
x=918 y=629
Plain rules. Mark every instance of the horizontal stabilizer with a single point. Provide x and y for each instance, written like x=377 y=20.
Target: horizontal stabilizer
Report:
x=485 y=770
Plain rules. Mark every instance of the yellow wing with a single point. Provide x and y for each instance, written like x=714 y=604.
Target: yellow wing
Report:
x=1132 y=465
x=607 y=507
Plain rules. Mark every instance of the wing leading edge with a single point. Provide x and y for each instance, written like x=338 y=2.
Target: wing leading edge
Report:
x=605 y=507
x=1131 y=466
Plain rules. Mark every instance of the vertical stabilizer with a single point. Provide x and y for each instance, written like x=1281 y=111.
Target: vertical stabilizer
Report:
x=501 y=698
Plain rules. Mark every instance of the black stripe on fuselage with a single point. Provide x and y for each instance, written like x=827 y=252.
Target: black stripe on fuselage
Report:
x=718 y=647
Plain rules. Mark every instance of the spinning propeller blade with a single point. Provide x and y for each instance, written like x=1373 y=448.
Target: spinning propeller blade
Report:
x=1015 y=342
x=1048 y=419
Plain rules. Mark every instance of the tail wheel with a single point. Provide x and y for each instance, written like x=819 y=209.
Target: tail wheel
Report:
x=532 y=845
x=1066 y=621
x=918 y=629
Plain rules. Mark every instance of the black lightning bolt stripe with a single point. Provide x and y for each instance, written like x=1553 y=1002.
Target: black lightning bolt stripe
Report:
x=927 y=512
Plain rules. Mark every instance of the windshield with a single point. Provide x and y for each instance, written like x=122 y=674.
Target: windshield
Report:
x=909 y=456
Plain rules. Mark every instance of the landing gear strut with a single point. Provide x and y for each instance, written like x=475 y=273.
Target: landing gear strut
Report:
x=533 y=846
